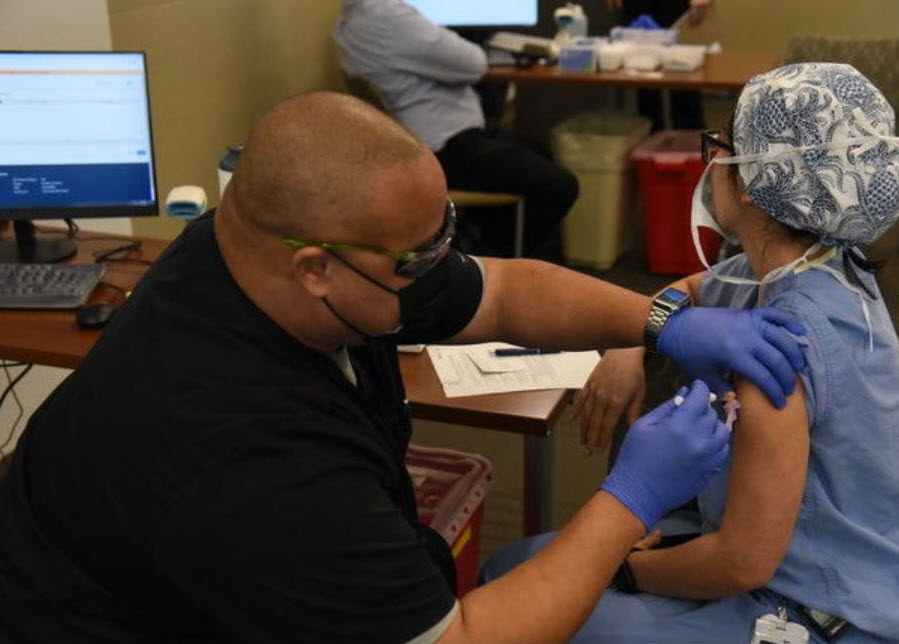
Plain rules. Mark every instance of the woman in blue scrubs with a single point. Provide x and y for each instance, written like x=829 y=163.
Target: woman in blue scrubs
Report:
x=804 y=520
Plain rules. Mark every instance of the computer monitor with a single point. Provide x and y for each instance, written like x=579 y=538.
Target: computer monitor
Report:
x=479 y=13
x=75 y=141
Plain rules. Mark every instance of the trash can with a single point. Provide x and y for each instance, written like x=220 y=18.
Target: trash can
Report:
x=596 y=147
x=669 y=165
x=450 y=488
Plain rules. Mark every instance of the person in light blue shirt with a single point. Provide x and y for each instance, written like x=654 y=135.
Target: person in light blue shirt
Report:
x=805 y=516
x=426 y=74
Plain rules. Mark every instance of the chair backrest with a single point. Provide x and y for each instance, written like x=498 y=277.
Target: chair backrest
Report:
x=364 y=89
x=876 y=58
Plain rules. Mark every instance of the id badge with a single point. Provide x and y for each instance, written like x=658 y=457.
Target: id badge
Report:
x=771 y=629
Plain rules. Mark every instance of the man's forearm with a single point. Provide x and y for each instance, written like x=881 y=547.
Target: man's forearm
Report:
x=547 y=598
x=548 y=306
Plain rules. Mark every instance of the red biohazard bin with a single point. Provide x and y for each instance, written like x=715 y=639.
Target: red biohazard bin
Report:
x=450 y=488
x=669 y=165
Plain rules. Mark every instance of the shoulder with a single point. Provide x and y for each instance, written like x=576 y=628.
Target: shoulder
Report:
x=368 y=15
x=823 y=348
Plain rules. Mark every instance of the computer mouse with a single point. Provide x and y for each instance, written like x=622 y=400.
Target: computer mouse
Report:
x=94 y=316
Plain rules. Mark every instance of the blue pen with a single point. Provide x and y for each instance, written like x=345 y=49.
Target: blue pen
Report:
x=512 y=352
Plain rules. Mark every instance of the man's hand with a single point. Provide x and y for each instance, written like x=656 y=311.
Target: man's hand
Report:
x=708 y=342
x=668 y=456
x=617 y=385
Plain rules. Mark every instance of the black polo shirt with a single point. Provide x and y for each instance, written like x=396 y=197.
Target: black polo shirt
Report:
x=204 y=476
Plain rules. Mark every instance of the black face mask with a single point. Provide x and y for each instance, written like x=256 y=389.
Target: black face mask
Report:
x=420 y=301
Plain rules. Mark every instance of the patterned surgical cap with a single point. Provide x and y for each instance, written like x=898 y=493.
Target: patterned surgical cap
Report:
x=821 y=151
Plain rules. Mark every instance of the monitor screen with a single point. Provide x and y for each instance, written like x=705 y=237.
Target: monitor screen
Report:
x=479 y=13
x=75 y=136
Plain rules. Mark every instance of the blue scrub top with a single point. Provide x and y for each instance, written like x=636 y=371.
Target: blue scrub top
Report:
x=844 y=554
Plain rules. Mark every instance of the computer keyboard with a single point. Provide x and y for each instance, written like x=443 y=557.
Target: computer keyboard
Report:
x=47 y=286
x=520 y=44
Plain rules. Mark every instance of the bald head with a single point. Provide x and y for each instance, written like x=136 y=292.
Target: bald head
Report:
x=310 y=161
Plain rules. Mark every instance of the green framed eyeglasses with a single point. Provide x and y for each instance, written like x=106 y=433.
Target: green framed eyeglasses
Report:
x=409 y=263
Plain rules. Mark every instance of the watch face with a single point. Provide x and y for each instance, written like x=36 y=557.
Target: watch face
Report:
x=674 y=296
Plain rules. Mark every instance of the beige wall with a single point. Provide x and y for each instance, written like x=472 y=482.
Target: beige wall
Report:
x=54 y=24
x=215 y=66
x=743 y=25
x=768 y=25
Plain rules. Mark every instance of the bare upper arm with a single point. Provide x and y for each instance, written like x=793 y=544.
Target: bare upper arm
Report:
x=767 y=478
x=485 y=323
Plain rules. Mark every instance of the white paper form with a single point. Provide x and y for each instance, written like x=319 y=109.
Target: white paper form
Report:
x=460 y=376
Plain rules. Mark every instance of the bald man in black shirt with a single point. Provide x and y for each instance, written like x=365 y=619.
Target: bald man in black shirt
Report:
x=227 y=463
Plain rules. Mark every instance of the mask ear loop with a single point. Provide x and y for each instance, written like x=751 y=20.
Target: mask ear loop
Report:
x=361 y=274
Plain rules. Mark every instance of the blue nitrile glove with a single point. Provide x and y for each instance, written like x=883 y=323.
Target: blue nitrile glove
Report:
x=708 y=342
x=644 y=21
x=668 y=456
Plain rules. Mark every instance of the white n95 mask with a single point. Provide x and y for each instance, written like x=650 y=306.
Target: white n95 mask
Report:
x=701 y=214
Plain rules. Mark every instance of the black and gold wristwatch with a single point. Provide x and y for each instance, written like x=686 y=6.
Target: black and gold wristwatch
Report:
x=664 y=305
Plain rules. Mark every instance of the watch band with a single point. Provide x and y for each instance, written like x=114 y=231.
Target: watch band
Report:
x=654 y=323
x=662 y=308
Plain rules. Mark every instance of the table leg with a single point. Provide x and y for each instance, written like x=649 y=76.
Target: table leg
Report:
x=666 y=108
x=519 y=228
x=538 y=484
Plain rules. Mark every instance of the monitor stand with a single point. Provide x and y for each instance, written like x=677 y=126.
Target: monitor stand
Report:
x=28 y=248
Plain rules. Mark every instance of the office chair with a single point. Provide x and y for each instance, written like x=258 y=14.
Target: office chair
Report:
x=362 y=88
x=875 y=58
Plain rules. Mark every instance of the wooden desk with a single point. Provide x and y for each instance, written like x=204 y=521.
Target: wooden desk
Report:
x=52 y=338
x=727 y=71
x=532 y=413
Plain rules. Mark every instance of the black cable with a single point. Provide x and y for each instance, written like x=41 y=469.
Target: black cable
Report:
x=115 y=287
x=10 y=387
x=125 y=260
x=15 y=397
x=101 y=255
x=106 y=255
x=99 y=238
